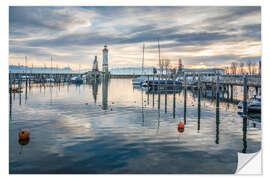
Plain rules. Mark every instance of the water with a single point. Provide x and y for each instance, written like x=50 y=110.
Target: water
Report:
x=110 y=127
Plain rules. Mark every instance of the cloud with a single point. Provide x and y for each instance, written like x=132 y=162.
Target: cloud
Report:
x=218 y=34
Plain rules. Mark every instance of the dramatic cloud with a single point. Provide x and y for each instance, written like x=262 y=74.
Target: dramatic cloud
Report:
x=214 y=36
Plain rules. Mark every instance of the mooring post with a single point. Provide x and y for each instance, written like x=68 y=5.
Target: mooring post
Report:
x=185 y=104
x=244 y=129
x=166 y=79
x=217 y=88
x=148 y=89
x=159 y=91
x=245 y=96
x=173 y=96
x=199 y=101
x=10 y=88
x=231 y=86
x=217 y=122
x=20 y=84
x=153 y=83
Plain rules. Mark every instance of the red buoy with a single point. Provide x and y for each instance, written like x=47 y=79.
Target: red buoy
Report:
x=180 y=127
x=180 y=130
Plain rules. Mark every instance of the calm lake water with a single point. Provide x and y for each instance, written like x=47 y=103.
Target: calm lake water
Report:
x=111 y=127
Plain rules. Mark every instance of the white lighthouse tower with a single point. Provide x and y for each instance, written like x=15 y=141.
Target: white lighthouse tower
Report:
x=105 y=60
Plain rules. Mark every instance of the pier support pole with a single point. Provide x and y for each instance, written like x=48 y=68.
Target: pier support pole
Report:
x=185 y=99
x=231 y=87
x=159 y=92
x=153 y=93
x=10 y=88
x=217 y=95
x=148 y=90
x=245 y=96
x=244 y=129
x=217 y=123
x=199 y=102
x=20 y=86
x=174 y=96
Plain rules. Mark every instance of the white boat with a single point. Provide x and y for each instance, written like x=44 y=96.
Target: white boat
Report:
x=253 y=104
x=50 y=80
x=76 y=80
x=142 y=79
x=139 y=80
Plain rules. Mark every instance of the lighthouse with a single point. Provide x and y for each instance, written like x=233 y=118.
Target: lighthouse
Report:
x=105 y=60
x=95 y=65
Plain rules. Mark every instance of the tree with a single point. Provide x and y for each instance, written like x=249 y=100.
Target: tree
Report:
x=226 y=69
x=254 y=68
x=241 y=67
x=233 y=68
x=249 y=65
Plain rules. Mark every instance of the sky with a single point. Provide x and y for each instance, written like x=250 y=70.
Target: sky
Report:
x=201 y=36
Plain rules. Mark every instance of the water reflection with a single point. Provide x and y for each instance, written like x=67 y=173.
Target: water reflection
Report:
x=185 y=105
x=199 y=109
x=217 y=121
x=95 y=85
x=133 y=138
x=105 y=82
x=244 y=128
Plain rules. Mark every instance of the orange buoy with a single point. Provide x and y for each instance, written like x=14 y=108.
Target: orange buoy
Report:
x=24 y=134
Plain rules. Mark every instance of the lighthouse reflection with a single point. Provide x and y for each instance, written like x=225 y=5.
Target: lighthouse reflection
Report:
x=95 y=85
x=105 y=82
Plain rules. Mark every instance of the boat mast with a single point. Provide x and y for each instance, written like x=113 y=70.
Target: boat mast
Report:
x=159 y=55
x=143 y=61
x=25 y=64
x=51 y=65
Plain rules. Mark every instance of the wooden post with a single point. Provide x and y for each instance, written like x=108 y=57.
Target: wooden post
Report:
x=217 y=124
x=231 y=86
x=148 y=89
x=20 y=85
x=159 y=92
x=245 y=96
x=173 y=96
x=10 y=88
x=244 y=129
x=217 y=95
x=185 y=104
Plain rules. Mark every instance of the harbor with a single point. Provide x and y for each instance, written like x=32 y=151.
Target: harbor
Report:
x=168 y=96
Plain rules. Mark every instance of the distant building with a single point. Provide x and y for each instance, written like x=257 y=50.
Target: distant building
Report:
x=180 y=66
x=105 y=60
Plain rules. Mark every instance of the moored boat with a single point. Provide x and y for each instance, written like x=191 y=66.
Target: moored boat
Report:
x=76 y=80
x=253 y=104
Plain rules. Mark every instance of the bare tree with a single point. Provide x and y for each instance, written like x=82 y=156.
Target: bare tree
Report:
x=226 y=69
x=249 y=65
x=254 y=68
x=233 y=68
x=241 y=67
x=259 y=68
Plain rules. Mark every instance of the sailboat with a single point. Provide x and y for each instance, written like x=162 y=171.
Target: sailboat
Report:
x=140 y=80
